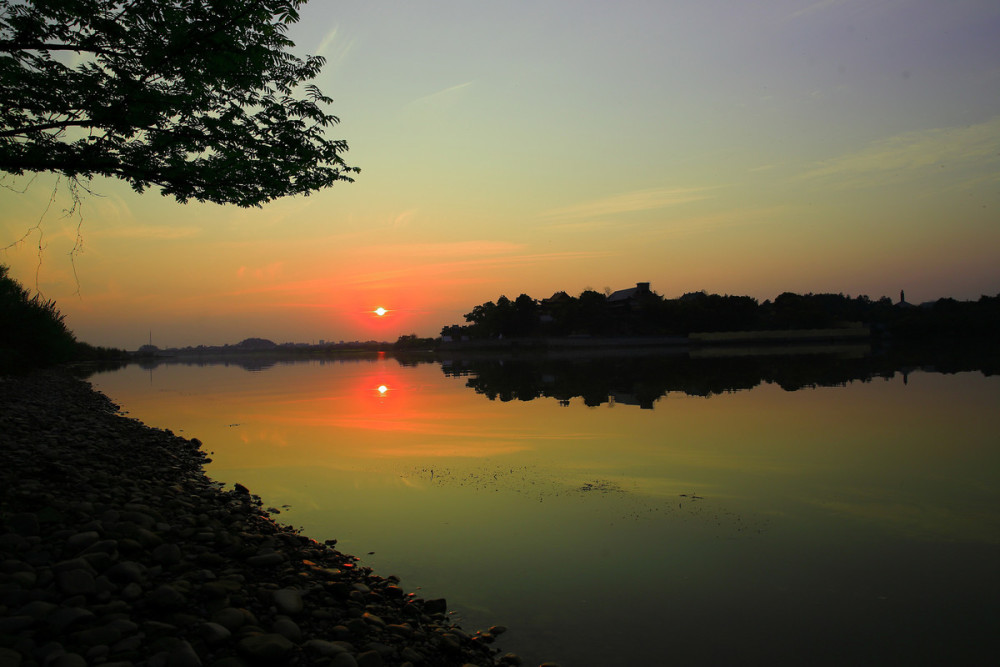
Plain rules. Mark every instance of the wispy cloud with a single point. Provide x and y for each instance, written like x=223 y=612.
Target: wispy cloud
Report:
x=403 y=219
x=639 y=200
x=440 y=97
x=468 y=270
x=466 y=249
x=899 y=157
x=149 y=232
x=334 y=48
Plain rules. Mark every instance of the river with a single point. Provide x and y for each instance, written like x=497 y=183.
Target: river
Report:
x=633 y=521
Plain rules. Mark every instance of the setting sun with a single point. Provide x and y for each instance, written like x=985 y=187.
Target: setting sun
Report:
x=380 y=311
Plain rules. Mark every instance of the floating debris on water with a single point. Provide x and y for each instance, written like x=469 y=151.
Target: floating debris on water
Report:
x=602 y=486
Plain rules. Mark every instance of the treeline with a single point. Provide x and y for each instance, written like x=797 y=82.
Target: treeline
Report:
x=646 y=313
x=33 y=333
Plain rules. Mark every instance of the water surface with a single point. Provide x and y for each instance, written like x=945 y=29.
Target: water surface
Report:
x=854 y=524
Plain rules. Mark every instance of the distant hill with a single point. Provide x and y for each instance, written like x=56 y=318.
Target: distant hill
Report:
x=256 y=344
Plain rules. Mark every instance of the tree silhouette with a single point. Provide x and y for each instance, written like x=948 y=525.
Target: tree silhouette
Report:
x=198 y=97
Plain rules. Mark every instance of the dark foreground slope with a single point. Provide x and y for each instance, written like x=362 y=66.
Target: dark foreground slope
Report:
x=116 y=549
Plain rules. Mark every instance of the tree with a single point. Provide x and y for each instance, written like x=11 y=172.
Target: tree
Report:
x=198 y=97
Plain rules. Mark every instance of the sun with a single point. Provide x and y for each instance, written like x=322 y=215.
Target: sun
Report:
x=380 y=311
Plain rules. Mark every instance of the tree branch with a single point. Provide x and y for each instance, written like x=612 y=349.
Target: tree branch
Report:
x=8 y=46
x=45 y=126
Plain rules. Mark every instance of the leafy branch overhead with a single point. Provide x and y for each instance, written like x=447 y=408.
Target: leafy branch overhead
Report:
x=200 y=98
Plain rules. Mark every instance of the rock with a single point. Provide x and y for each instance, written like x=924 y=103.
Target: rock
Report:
x=76 y=582
x=370 y=659
x=221 y=588
x=343 y=660
x=266 y=559
x=38 y=609
x=411 y=655
x=63 y=618
x=230 y=618
x=373 y=619
x=99 y=561
x=68 y=660
x=231 y=661
x=436 y=606
x=183 y=655
x=166 y=597
x=103 y=634
x=266 y=649
x=167 y=554
x=132 y=591
x=9 y=657
x=147 y=538
x=109 y=547
x=324 y=648
x=23 y=523
x=214 y=633
x=357 y=626
x=288 y=629
x=126 y=571
x=401 y=629
x=77 y=543
x=11 y=625
x=288 y=601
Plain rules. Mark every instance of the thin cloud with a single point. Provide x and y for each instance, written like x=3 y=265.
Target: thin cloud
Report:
x=334 y=50
x=150 y=232
x=639 y=200
x=900 y=156
x=403 y=219
x=445 y=249
x=440 y=97
x=473 y=268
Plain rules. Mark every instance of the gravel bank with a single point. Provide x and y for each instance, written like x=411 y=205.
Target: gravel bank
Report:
x=117 y=550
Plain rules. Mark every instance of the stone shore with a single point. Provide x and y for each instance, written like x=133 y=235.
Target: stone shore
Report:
x=117 y=550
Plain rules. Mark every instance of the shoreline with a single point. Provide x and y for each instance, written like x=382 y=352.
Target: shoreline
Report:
x=116 y=549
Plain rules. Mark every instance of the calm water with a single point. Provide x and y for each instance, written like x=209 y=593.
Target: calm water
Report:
x=855 y=524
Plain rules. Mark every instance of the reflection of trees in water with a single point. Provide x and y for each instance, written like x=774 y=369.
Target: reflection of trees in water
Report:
x=642 y=379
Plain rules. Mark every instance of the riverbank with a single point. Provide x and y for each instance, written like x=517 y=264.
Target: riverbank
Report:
x=117 y=550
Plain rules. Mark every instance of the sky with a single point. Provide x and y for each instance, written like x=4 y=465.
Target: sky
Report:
x=846 y=146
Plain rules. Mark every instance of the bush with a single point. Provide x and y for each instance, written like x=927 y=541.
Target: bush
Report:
x=32 y=331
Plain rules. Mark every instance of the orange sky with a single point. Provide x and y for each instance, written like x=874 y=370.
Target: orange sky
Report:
x=520 y=147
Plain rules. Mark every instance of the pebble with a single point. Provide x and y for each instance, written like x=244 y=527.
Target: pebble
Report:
x=324 y=648
x=264 y=649
x=344 y=660
x=116 y=550
x=288 y=601
x=183 y=655
x=288 y=629
x=76 y=582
